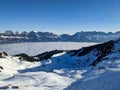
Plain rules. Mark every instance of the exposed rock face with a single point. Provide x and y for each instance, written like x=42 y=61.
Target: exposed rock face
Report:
x=9 y=33
x=17 y=33
x=25 y=57
x=9 y=86
x=100 y=50
x=1 y=68
x=32 y=36
x=48 y=55
x=3 y=54
x=24 y=34
x=10 y=37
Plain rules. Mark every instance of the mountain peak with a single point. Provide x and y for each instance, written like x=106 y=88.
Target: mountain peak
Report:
x=32 y=36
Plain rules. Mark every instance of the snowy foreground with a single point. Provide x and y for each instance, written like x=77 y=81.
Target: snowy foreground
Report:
x=92 y=78
x=56 y=80
x=63 y=72
x=39 y=47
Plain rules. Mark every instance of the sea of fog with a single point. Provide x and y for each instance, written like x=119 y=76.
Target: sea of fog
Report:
x=33 y=48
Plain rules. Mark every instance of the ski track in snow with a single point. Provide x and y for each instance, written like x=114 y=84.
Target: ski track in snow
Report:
x=20 y=78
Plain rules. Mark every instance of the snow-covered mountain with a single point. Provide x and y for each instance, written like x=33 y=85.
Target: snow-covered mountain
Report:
x=89 y=68
x=9 y=37
x=82 y=58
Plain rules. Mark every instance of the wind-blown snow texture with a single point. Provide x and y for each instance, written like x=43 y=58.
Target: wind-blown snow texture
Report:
x=89 y=68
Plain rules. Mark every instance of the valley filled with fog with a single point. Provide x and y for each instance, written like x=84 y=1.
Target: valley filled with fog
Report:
x=33 y=48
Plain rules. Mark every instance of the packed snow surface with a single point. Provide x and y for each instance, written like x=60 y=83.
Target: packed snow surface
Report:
x=56 y=80
x=39 y=47
x=92 y=78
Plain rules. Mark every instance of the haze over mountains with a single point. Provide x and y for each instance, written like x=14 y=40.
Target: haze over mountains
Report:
x=93 y=36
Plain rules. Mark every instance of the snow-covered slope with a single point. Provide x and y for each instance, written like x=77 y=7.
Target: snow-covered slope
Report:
x=89 y=68
x=11 y=77
x=80 y=59
x=104 y=76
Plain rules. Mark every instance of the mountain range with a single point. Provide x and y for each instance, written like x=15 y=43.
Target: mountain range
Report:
x=32 y=36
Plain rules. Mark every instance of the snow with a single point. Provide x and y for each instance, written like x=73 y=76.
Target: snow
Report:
x=43 y=80
x=19 y=37
x=104 y=76
x=56 y=80
x=61 y=72
x=56 y=55
x=108 y=80
x=92 y=78
x=12 y=64
x=39 y=47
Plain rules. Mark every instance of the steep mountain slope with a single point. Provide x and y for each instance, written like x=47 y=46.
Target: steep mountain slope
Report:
x=32 y=36
x=104 y=76
x=82 y=58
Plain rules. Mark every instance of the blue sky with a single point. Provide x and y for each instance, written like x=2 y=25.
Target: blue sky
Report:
x=60 y=16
